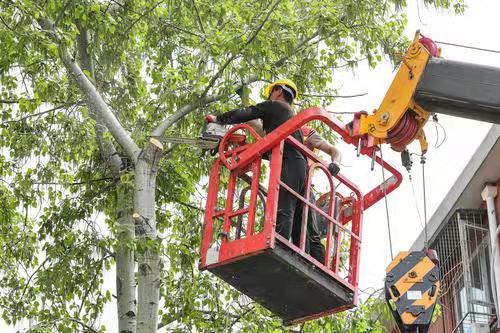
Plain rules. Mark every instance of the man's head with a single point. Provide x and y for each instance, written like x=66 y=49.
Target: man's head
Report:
x=283 y=90
x=281 y=93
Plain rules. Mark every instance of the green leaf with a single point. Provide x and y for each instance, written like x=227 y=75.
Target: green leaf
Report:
x=95 y=7
x=68 y=187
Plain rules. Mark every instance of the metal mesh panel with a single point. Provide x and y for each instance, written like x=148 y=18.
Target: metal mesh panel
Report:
x=463 y=247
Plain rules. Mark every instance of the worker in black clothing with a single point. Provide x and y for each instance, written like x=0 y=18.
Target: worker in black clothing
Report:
x=317 y=225
x=275 y=111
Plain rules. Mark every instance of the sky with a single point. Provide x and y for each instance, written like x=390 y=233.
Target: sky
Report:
x=477 y=27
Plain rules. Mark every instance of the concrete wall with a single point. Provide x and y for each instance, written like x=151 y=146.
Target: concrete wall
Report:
x=497 y=200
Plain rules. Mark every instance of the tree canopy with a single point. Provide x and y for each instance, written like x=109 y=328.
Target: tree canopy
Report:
x=67 y=169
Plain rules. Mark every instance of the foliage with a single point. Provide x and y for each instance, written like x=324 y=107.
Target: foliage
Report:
x=372 y=315
x=151 y=58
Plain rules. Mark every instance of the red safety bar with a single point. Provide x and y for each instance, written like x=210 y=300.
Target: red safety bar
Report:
x=224 y=255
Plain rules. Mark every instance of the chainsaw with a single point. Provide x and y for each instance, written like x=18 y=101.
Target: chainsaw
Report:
x=210 y=137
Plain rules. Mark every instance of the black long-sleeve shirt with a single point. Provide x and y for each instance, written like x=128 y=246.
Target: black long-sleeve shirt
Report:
x=273 y=114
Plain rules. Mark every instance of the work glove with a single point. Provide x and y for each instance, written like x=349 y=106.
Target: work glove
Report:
x=210 y=118
x=334 y=168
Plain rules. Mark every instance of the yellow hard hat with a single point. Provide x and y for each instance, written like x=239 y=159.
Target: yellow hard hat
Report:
x=286 y=83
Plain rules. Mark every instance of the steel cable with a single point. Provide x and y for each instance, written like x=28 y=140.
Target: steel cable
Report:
x=386 y=205
x=468 y=47
x=422 y=161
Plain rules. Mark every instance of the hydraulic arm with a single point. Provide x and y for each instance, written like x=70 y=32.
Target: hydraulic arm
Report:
x=426 y=84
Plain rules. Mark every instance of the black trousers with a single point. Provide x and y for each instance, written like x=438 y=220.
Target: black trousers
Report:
x=289 y=217
x=313 y=241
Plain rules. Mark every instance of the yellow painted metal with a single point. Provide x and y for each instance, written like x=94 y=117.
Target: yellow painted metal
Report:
x=406 y=282
x=413 y=280
x=426 y=301
x=401 y=255
x=399 y=99
x=423 y=142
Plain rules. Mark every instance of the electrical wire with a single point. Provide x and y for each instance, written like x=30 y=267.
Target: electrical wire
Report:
x=437 y=134
x=341 y=112
x=418 y=12
x=386 y=205
x=415 y=200
x=422 y=161
x=436 y=145
x=468 y=47
x=443 y=320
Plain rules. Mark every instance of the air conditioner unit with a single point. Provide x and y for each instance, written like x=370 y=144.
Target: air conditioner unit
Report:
x=477 y=328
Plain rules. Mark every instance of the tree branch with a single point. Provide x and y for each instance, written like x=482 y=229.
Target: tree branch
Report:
x=335 y=96
x=238 y=318
x=297 y=48
x=114 y=6
x=6 y=25
x=11 y=101
x=77 y=183
x=190 y=206
x=207 y=312
x=92 y=95
x=218 y=74
x=39 y=113
x=173 y=26
x=86 y=295
x=198 y=17
x=263 y=22
x=147 y=12
x=31 y=276
x=106 y=147
x=234 y=56
x=188 y=108
x=81 y=323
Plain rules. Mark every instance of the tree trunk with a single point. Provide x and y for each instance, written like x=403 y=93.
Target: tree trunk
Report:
x=125 y=264
x=149 y=263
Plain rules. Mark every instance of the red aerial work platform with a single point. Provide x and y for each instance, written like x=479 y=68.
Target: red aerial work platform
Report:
x=241 y=246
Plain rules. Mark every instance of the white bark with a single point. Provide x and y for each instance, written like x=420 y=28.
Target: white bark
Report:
x=92 y=95
x=148 y=260
x=125 y=263
x=124 y=257
x=106 y=148
x=188 y=108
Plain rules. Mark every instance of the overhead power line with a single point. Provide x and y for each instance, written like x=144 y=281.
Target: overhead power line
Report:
x=468 y=47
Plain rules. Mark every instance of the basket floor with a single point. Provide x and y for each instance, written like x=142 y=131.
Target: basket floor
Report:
x=285 y=283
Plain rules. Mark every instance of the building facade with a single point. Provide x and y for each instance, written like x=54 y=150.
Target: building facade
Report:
x=460 y=232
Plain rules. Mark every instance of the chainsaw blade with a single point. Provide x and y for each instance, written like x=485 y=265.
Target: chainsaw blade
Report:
x=199 y=142
x=211 y=134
